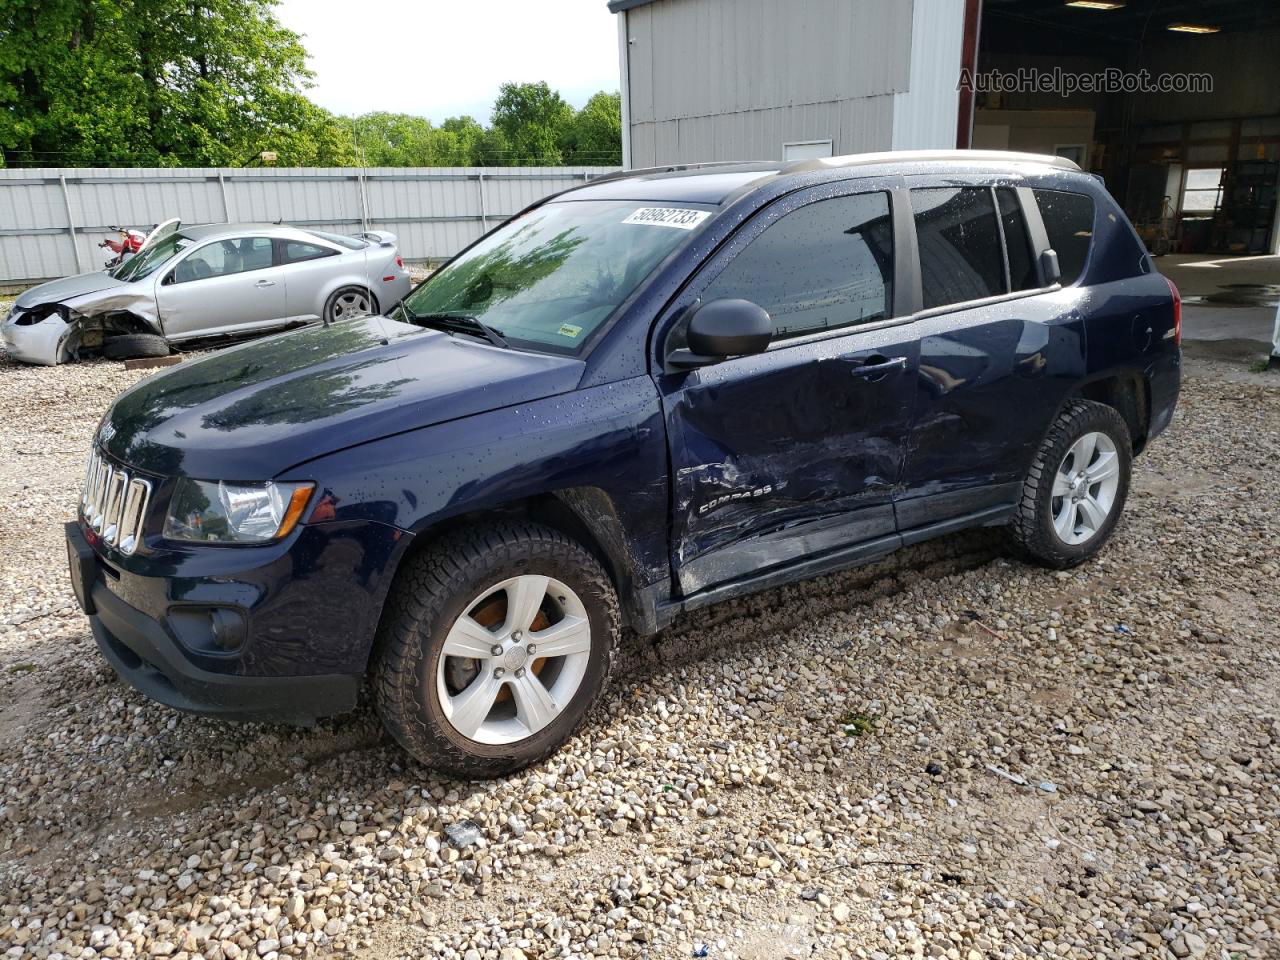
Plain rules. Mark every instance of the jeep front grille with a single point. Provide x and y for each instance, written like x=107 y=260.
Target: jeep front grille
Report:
x=114 y=504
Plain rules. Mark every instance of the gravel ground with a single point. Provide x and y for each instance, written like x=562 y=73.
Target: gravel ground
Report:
x=853 y=767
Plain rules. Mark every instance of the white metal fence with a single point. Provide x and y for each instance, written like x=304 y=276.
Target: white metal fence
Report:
x=51 y=220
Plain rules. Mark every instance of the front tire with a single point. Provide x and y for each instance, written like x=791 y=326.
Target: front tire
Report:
x=129 y=346
x=1076 y=487
x=495 y=643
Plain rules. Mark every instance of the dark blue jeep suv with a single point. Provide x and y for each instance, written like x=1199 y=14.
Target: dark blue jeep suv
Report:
x=648 y=394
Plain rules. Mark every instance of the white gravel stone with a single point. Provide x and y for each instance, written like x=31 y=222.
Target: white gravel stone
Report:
x=806 y=773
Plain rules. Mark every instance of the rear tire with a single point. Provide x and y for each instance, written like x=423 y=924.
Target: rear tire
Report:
x=1076 y=487
x=465 y=589
x=349 y=302
x=127 y=346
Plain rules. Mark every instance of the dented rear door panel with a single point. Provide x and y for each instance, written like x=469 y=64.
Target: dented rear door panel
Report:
x=991 y=380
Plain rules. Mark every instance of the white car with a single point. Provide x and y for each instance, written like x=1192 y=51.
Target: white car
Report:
x=215 y=280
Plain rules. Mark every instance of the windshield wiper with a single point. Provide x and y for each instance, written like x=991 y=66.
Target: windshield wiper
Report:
x=457 y=323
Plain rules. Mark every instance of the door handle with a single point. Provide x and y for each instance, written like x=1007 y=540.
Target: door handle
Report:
x=880 y=368
x=265 y=283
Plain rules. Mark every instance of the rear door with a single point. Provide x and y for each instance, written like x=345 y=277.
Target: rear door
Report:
x=999 y=349
x=795 y=452
x=222 y=287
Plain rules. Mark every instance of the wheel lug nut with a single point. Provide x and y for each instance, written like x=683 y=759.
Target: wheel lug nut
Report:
x=516 y=636
x=520 y=673
x=497 y=673
x=496 y=649
x=532 y=649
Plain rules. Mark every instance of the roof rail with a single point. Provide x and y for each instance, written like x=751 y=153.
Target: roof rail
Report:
x=921 y=156
x=849 y=160
x=671 y=168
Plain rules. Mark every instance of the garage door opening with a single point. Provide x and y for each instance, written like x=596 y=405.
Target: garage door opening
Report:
x=1175 y=103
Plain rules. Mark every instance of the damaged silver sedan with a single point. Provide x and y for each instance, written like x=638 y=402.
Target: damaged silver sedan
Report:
x=195 y=283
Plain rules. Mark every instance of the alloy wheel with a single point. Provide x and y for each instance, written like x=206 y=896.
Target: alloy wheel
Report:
x=512 y=663
x=1084 y=488
x=353 y=303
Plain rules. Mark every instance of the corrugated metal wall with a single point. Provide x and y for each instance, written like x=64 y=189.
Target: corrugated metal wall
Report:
x=736 y=79
x=435 y=211
x=925 y=116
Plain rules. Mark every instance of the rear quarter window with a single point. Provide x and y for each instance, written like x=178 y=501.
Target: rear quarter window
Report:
x=1068 y=220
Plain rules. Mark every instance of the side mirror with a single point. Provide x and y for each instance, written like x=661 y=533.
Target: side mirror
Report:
x=1050 y=272
x=721 y=329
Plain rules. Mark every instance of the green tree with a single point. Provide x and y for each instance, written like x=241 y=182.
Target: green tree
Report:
x=594 y=136
x=203 y=82
x=392 y=139
x=532 y=119
x=461 y=140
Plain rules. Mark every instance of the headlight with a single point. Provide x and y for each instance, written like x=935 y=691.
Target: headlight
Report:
x=210 y=511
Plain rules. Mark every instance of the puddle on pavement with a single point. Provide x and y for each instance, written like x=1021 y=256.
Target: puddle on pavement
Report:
x=1241 y=295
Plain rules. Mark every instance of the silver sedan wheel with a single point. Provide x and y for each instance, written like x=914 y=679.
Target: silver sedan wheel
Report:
x=1084 y=488
x=504 y=681
x=352 y=303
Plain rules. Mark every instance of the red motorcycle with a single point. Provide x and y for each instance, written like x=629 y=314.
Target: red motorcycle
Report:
x=130 y=242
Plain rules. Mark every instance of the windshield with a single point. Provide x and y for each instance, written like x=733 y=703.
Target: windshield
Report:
x=151 y=258
x=549 y=279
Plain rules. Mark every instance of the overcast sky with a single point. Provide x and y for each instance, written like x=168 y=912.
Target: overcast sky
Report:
x=438 y=59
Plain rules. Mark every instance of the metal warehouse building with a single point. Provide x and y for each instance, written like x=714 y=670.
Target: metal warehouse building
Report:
x=765 y=79
x=1196 y=169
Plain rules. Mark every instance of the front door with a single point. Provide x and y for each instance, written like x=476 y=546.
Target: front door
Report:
x=794 y=452
x=226 y=286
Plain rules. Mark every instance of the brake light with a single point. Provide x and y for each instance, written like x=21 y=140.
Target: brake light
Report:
x=400 y=262
x=1177 y=312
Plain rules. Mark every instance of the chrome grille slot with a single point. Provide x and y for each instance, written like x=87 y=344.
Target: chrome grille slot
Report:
x=113 y=503
x=133 y=513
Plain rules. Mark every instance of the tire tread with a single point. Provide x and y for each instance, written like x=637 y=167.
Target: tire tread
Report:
x=424 y=585
x=1027 y=528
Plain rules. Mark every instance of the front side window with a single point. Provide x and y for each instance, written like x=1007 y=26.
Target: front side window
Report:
x=1068 y=221
x=822 y=266
x=960 y=256
x=224 y=258
x=552 y=277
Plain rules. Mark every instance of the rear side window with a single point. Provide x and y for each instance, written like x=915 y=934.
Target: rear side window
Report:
x=1068 y=220
x=960 y=257
x=1022 y=270
x=295 y=251
x=825 y=265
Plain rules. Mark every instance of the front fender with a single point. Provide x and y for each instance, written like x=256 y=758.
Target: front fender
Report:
x=600 y=451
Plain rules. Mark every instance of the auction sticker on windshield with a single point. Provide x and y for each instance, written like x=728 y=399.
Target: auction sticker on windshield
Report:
x=668 y=217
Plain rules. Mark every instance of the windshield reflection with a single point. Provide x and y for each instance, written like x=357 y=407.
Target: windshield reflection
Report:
x=151 y=259
x=552 y=277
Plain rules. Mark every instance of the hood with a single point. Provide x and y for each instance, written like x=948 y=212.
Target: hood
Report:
x=55 y=291
x=251 y=412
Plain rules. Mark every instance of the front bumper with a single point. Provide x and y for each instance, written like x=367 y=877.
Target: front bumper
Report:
x=308 y=616
x=40 y=342
x=144 y=656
